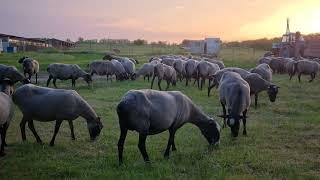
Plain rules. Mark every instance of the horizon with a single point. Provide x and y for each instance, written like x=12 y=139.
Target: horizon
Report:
x=170 y=21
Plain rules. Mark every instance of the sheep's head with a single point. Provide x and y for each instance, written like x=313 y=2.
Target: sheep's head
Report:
x=211 y=131
x=94 y=127
x=27 y=66
x=88 y=78
x=272 y=92
x=22 y=59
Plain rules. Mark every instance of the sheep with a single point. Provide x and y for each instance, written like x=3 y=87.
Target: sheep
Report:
x=11 y=73
x=143 y=111
x=30 y=67
x=278 y=65
x=218 y=62
x=146 y=71
x=109 y=57
x=164 y=72
x=128 y=66
x=234 y=95
x=6 y=111
x=258 y=84
x=47 y=104
x=206 y=69
x=168 y=61
x=290 y=68
x=119 y=70
x=101 y=68
x=190 y=69
x=306 y=67
x=215 y=79
x=264 y=71
x=65 y=72
x=265 y=60
x=179 y=66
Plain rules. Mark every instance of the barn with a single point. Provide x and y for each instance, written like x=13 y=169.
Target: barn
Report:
x=207 y=46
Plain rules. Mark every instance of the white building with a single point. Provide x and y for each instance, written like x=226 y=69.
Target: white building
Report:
x=206 y=46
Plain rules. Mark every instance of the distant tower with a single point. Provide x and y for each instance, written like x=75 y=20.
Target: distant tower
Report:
x=288 y=27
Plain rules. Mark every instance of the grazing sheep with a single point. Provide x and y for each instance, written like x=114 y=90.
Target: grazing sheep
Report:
x=119 y=70
x=265 y=60
x=179 y=66
x=190 y=69
x=11 y=73
x=290 y=68
x=146 y=71
x=278 y=65
x=234 y=93
x=168 y=61
x=215 y=79
x=258 y=84
x=206 y=69
x=264 y=71
x=164 y=72
x=30 y=67
x=306 y=67
x=46 y=104
x=6 y=111
x=128 y=66
x=65 y=72
x=143 y=111
x=101 y=68
x=218 y=62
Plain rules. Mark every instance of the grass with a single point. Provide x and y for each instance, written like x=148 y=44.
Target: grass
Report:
x=283 y=137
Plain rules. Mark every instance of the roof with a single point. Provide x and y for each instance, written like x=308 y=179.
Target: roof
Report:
x=21 y=38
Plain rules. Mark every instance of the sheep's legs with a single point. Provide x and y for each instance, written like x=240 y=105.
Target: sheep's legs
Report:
x=159 y=83
x=73 y=83
x=244 y=121
x=121 y=141
x=202 y=83
x=299 y=77
x=5 y=128
x=187 y=81
x=224 y=115
x=36 y=78
x=142 y=147
x=256 y=100
x=209 y=89
x=23 y=128
x=31 y=127
x=71 y=128
x=148 y=78
x=152 y=81
x=49 y=79
x=54 y=82
x=56 y=130
x=170 y=143
x=168 y=83
x=2 y=134
x=312 y=77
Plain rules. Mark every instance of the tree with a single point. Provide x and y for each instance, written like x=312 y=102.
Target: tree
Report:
x=80 y=39
x=140 y=42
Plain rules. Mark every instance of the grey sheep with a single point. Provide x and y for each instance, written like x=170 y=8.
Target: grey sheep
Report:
x=6 y=111
x=101 y=68
x=119 y=70
x=30 y=67
x=47 y=104
x=65 y=72
x=168 y=61
x=179 y=66
x=218 y=62
x=164 y=72
x=143 y=111
x=258 y=84
x=234 y=94
x=205 y=70
x=146 y=70
x=264 y=71
x=128 y=66
x=306 y=67
x=12 y=73
x=191 y=70
x=264 y=60
x=290 y=68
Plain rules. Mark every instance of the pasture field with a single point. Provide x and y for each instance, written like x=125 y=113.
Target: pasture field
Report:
x=283 y=137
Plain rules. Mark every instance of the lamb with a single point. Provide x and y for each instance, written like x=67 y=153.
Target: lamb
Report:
x=11 y=73
x=164 y=72
x=306 y=67
x=119 y=70
x=101 y=68
x=142 y=111
x=258 y=84
x=65 y=72
x=30 y=67
x=234 y=93
x=215 y=79
x=190 y=68
x=146 y=71
x=206 y=69
x=264 y=71
x=179 y=66
x=47 y=104
x=6 y=111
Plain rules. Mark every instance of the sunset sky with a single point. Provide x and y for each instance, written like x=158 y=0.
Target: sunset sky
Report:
x=169 y=20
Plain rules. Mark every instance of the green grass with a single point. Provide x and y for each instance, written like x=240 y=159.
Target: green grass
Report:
x=283 y=137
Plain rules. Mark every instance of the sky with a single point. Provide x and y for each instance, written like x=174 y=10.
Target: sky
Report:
x=165 y=20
